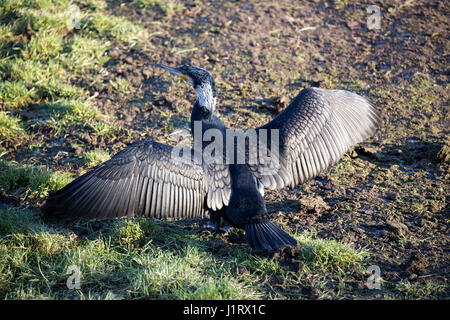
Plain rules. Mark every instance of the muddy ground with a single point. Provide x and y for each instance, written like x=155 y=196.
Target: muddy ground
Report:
x=388 y=195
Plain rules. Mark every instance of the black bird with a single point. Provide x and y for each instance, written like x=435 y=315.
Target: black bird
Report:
x=156 y=180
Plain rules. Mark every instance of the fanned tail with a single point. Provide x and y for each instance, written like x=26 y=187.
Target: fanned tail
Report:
x=264 y=235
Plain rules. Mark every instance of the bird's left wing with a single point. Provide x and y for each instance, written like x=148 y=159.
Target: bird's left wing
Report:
x=146 y=179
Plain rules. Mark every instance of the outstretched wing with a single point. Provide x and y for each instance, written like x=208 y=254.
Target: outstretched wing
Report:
x=314 y=131
x=218 y=184
x=146 y=179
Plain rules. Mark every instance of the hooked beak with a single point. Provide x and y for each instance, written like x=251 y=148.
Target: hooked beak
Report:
x=175 y=71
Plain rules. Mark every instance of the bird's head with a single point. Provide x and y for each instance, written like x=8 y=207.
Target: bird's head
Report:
x=201 y=80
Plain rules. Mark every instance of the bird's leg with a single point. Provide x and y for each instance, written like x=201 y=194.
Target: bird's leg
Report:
x=216 y=219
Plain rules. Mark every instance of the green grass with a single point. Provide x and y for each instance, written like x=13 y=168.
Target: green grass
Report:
x=61 y=116
x=95 y=157
x=114 y=27
x=420 y=289
x=10 y=129
x=43 y=69
x=121 y=85
x=324 y=255
x=167 y=6
x=143 y=259
x=30 y=182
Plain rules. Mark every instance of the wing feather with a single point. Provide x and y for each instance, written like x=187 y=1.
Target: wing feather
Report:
x=143 y=179
x=315 y=130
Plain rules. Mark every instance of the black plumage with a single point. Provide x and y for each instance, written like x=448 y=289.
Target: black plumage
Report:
x=146 y=179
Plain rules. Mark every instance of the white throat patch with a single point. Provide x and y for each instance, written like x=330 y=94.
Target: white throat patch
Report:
x=205 y=97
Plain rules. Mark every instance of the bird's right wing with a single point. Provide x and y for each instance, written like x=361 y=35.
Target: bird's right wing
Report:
x=146 y=179
x=314 y=131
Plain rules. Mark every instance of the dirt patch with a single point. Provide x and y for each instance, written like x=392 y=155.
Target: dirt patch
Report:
x=289 y=256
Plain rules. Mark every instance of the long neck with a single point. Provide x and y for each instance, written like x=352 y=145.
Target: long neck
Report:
x=205 y=97
x=205 y=105
x=201 y=114
x=203 y=111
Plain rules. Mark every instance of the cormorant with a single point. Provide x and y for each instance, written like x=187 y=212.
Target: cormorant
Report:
x=160 y=181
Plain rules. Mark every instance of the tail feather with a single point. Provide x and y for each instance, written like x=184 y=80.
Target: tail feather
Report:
x=265 y=235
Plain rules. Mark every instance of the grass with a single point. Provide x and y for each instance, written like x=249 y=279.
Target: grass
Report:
x=29 y=182
x=121 y=85
x=143 y=259
x=117 y=28
x=421 y=289
x=42 y=68
x=167 y=6
x=10 y=129
x=137 y=258
x=326 y=255
x=95 y=157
